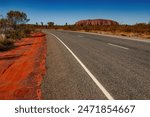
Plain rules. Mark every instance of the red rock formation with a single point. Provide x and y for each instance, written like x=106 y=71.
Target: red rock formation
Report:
x=94 y=22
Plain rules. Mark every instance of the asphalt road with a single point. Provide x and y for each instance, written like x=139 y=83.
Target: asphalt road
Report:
x=121 y=66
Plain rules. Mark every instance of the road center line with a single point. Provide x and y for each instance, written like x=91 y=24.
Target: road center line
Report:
x=101 y=87
x=118 y=46
x=80 y=36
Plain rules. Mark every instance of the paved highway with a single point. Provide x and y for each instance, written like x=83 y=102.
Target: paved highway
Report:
x=87 y=66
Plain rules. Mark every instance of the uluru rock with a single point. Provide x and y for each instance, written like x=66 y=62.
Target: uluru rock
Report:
x=95 y=22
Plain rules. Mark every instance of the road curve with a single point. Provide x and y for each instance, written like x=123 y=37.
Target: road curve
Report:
x=121 y=66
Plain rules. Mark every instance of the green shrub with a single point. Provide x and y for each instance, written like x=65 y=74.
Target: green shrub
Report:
x=14 y=35
x=6 y=44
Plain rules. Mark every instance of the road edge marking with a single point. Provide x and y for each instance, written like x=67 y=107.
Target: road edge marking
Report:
x=101 y=87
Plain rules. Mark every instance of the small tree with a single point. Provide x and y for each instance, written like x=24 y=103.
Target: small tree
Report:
x=17 y=17
x=50 y=24
x=18 y=22
x=42 y=24
x=66 y=24
x=3 y=24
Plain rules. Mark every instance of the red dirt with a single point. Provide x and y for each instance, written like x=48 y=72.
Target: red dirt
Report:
x=23 y=68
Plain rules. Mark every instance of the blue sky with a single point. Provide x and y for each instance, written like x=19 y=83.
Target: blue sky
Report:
x=70 y=11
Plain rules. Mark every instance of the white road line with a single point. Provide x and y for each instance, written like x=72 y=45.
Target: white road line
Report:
x=101 y=87
x=80 y=36
x=115 y=36
x=118 y=46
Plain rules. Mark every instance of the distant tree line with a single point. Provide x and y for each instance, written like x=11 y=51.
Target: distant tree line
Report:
x=139 y=28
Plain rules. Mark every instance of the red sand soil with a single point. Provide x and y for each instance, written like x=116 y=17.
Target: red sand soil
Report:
x=23 y=68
